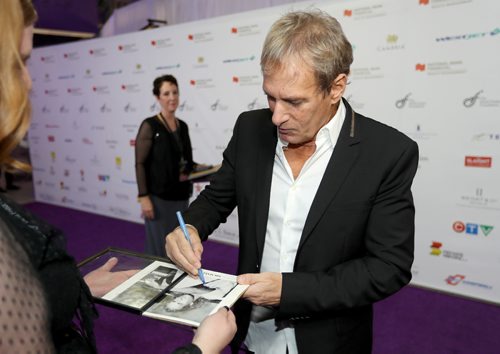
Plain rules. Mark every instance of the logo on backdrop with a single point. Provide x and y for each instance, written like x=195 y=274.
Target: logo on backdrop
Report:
x=409 y=102
x=127 y=48
x=457 y=279
x=478 y=161
x=202 y=83
x=162 y=42
x=247 y=80
x=112 y=72
x=255 y=104
x=391 y=43
x=71 y=56
x=481 y=101
x=51 y=92
x=239 y=60
x=129 y=108
x=218 y=106
x=104 y=108
x=130 y=88
x=468 y=36
x=101 y=89
x=63 y=109
x=103 y=178
x=472 y=229
x=168 y=67
x=185 y=107
x=438 y=251
x=47 y=59
x=98 y=52
x=370 y=72
x=484 y=137
x=365 y=12
x=65 y=77
x=83 y=109
x=200 y=37
x=243 y=31
x=480 y=199
x=451 y=67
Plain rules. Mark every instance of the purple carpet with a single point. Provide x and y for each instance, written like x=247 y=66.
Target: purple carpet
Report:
x=412 y=321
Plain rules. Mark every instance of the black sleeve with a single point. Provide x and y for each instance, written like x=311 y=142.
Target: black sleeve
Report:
x=143 y=144
x=188 y=349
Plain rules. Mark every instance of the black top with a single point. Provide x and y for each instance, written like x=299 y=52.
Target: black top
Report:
x=159 y=157
x=69 y=300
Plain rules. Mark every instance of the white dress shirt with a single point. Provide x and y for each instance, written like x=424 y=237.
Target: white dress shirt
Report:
x=290 y=198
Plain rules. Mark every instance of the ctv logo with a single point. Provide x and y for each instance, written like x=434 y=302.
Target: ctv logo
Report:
x=478 y=161
x=471 y=228
x=455 y=279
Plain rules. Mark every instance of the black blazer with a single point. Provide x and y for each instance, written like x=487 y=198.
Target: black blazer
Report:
x=357 y=244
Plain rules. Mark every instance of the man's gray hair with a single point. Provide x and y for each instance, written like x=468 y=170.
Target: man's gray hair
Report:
x=312 y=36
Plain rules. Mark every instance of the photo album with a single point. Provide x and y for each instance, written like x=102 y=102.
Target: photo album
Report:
x=160 y=290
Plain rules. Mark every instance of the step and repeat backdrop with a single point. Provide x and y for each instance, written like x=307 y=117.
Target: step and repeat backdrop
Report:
x=427 y=67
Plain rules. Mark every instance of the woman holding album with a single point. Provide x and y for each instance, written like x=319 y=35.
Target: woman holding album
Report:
x=46 y=305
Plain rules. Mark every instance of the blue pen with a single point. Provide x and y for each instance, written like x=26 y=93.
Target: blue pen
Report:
x=186 y=234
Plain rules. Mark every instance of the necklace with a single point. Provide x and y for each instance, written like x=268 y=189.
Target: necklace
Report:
x=165 y=123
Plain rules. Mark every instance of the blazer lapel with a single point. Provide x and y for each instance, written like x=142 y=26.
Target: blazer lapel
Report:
x=343 y=157
x=263 y=179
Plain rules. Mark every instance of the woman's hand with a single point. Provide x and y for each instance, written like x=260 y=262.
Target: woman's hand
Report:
x=215 y=332
x=147 y=208
x=102 y=280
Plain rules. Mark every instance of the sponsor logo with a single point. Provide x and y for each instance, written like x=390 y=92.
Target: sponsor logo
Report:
x=423 y=2
x=47 y=59
x=391 y=44
x=200 y=37
x=87 y=141
x=480 y=199
x=63 y=77
x=53 y=156
x=103 y=193
x=103 y=178
x=119 y=211
x=52 y=126
x=127 y=48
x=91 y=206
x=202 y=83
x=122 y=196
x=482 y=101
x=408 y=101
x=112 y=72
x=365 y=12
x=130 y=88
x=129 y=108
x=162 y=42
x=51 y=138
x=74 y=91
x=105 y=108
x=239 y=60
x=185 y=107
x=129 y=181
x=132 y=142
x=248 y=30
x=51 y=92
x=372 y=72
x=168 y=67
x=83 y=109
x=218 y=106
x=71 y=56
x=255 y=104
x=480 y=137
x=45 y=110
x=118 y=162
x=63 y=109
x=478 y=161
x=101 y=89
x=469 y=36
x=452 y=67
x=111 y=143
x=437 y=250
x=66 y=200
x=63 y=186
x=70 y=159
x=98 y=52
x=472 y=228
x=247 y=80
x=131 y=128
x=459 y=279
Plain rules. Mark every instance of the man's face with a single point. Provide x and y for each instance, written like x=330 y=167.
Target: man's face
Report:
x=25 y=51
x=168 y=97
x=299 y=108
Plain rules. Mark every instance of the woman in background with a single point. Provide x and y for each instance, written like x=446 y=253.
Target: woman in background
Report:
x=163 y=161
x=46 y=305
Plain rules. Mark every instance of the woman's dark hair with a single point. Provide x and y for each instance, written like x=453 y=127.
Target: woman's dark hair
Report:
x=160 y=80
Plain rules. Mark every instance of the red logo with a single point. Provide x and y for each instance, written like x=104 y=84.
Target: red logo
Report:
x=132 y=142
x=153 y=43
x=42 y=58
x=94 y=88
x=236 y=79
x=120 y=47
x=91 y=51
x=192 y=82
x=234 y=30
x=124 y=87
x=348 y=13
x=458 y=226
x=423 y=2
x=420 y=67
x=65 y=55
x=190 y=37
x=51 y=138
x=455 y=279
x=478 y=161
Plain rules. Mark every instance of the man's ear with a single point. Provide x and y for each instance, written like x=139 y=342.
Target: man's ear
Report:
x=338 y=87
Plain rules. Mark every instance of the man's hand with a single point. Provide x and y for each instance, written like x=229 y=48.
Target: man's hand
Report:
x=147 y=208
x=215 y=332
x=102 y=280
x=180 y=252
x=264 y=289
